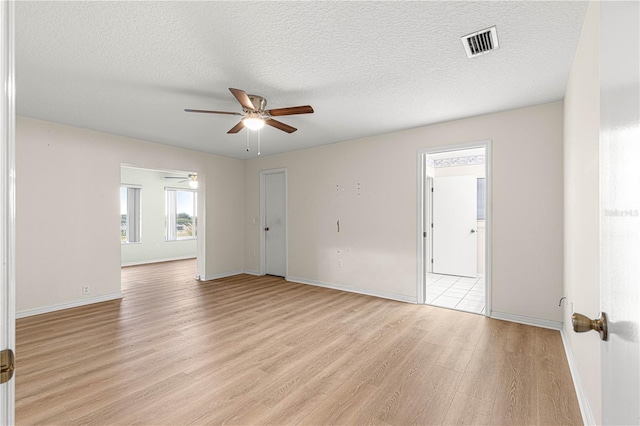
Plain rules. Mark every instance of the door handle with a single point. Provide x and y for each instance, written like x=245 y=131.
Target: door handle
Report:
x=473 y=231
x=582 y=323
x=266 y=229
x=7 y=365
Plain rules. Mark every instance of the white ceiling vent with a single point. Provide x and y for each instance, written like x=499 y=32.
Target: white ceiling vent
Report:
x=481 y=42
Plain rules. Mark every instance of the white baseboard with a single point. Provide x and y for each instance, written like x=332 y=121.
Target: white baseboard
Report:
x=382 y=294
x=221 y=275
x=146 y=262
x=583 y=401
x=521 y=319
x=251 y=272
x=67 y=305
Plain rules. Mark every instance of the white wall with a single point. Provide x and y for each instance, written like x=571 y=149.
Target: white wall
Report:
x=68 y=210
x=153 y=247
x=581 y=218
x=377 y=242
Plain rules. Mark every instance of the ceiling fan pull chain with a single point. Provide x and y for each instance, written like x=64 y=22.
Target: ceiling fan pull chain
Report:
x=258 y=142
x=247 y=141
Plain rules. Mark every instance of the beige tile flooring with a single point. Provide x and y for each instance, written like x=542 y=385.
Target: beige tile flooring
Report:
x=461 y=293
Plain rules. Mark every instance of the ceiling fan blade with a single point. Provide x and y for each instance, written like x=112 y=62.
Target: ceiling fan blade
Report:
x=237 y=127
x=175 y=177
x=280 y=126
x=212 y=112
x=243 y=98
x=304 y=109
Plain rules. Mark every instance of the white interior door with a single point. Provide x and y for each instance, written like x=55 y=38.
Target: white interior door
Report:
x=455 y=219
x=620 y=209
x=7 y=204
x=275 y=224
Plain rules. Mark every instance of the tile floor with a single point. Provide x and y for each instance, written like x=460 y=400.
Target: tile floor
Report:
x=461 y=293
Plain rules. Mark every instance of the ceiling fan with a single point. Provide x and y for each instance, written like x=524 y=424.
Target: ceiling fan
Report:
x=254 y=114
x=191 y=177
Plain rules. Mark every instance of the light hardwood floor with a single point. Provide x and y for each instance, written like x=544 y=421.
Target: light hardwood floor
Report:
x=260 y=350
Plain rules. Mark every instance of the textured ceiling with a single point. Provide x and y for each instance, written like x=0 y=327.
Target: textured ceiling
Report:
x=367 y=68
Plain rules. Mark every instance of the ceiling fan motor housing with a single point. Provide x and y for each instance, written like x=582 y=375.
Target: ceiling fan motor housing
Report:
x=258 y=102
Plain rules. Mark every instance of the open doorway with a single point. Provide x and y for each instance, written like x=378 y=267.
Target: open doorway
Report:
x=454 y=216
x=158 y=215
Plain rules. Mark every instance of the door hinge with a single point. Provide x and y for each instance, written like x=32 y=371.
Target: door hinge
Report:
x=424 y=234
x=7 y=360
x=431 y=260
x=432 y=225
x=431 y=189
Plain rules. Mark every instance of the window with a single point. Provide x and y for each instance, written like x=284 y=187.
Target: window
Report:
x=481 y=198
x=181 y=214
x=130 y=217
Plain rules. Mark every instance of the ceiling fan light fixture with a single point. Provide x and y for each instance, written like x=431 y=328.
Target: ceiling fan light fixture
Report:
x=253 y=123
x=193 y=181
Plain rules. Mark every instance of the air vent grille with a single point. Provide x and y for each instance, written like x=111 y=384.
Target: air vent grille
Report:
x=481 y=42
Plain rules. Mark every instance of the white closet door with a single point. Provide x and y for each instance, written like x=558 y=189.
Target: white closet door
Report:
x=275 y=236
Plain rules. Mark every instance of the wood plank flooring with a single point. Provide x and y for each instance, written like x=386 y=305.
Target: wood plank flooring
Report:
x=259 y=350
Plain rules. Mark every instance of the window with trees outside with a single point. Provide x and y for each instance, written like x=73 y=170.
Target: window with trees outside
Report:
x=181 y=214
x=130 y=218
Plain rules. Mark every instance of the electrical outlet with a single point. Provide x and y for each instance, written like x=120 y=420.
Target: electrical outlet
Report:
x=86 y=289
x=339 y=263
x=254 y=253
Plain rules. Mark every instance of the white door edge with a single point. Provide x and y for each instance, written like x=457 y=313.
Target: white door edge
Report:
x=619 y=206
x=7 y=202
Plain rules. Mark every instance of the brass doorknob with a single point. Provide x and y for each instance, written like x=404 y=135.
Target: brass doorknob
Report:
x=582 y=323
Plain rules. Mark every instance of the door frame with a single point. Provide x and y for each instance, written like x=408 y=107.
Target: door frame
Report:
x=263 y=210
x=7 y=203
x=424 y=209
x=428 y=219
